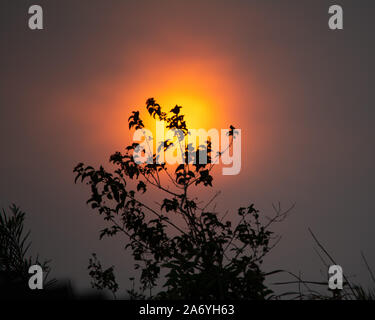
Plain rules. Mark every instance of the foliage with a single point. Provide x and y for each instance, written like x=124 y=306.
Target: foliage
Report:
x=15 y=244
x=194 y=252
x=102 y=279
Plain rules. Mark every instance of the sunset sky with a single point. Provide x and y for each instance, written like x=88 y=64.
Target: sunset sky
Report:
x=301 y=93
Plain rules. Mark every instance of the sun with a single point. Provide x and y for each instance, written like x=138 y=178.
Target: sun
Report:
x=202 y=88
x=197 y=86
x=197 y=110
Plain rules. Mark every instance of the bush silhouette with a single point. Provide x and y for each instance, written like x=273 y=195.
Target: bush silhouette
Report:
x=189 y=250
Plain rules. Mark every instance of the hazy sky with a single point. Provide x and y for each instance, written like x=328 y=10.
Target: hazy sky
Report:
x=301 y=93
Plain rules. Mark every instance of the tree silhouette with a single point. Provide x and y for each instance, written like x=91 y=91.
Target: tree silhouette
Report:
x=188 y=249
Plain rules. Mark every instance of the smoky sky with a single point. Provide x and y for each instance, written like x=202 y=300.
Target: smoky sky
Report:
x=301 y=93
